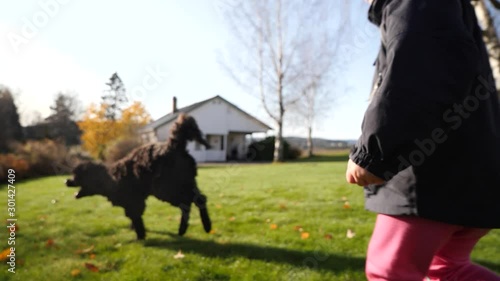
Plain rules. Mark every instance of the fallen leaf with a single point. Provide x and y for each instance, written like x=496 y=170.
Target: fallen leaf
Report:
x=49 y=243
x=350 y=234
x=179 y=255
x=3 y=254
x=304 y=235
x=75 y=272
x=283 y=207
x=298 y=228
x=212 y=231
x=274 y=226
x=347 y=205
x=91 y=267
x=232 y=218
x=92 y=256
x=328 y=236
x=86 y=250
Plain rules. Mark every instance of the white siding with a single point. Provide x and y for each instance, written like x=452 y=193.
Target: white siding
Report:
x=163 y=131
x=218 y=117
x=198 y=155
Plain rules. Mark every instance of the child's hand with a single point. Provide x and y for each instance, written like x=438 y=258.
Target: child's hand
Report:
x=360 y=176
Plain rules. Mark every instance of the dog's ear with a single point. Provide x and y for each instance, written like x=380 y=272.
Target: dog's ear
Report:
x=78 y=167
x=84 y=165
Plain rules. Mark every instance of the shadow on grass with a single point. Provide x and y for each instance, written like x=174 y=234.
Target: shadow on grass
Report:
x=317 y=260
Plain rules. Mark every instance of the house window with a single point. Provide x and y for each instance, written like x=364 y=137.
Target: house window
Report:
x=216 y=142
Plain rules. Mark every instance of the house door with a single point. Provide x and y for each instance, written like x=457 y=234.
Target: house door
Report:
x=236 y=146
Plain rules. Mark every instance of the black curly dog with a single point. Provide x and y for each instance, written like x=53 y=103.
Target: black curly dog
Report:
x=165 y=170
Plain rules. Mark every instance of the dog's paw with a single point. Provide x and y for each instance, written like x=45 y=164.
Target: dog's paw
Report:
x=207 y=227
x=182 y=230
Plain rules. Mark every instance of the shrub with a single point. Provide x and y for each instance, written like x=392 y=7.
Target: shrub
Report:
x=37 y=158
x=264 y=150
x=120 y=148
x=11 y=161
x=45 y=157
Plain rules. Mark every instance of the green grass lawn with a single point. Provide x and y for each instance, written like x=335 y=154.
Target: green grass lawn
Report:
x=271 y=222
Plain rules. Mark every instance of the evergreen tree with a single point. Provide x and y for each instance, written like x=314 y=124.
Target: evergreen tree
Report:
x=114 y=97
x=11 y=130
x=62 y=121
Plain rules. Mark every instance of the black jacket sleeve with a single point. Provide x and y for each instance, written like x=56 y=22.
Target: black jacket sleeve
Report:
x=429 y=66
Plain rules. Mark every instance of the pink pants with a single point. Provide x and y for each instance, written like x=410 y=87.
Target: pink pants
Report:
x=406 y=248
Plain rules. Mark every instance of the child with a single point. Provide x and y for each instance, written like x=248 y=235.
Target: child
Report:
x=429 y=153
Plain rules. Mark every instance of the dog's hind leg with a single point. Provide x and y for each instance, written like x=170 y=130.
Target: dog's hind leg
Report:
x=200 y=201
x=186 y=210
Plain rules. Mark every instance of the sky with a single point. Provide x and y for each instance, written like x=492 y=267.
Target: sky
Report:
x=160 y=49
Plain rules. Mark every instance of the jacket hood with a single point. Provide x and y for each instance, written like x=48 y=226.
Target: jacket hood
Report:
x=375 y=11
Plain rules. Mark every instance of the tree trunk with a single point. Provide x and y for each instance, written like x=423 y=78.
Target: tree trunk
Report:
x=490 y=38
x=309 y=142
x=278 y=143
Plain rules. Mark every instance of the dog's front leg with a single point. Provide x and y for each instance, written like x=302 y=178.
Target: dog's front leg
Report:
x=139 y=228
x=134 y=213
x=185 y=209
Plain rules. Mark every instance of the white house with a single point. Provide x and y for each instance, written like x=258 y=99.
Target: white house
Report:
x=224 y=125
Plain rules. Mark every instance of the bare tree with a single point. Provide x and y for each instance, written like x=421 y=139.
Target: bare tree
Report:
x=490 y=34
x=318 y=61
x=270 y=35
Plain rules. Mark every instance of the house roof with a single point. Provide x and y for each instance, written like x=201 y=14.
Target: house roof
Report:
x=173 y=115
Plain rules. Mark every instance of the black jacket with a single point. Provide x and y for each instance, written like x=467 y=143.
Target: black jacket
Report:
x=432 y=128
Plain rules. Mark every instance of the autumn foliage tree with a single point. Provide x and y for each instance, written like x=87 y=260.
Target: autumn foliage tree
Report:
x=99 y=131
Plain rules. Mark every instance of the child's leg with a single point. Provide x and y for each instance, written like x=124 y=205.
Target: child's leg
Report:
x=452 y=261
x=402 y=247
